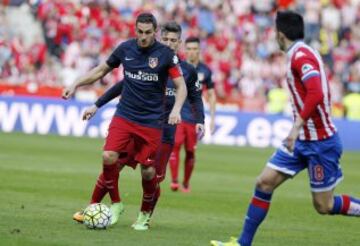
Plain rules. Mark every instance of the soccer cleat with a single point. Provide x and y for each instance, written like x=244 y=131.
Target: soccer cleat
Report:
x=79 y=216
x=174 y=186
x=142 y=222
x=186 y=189
x=116 y=210
x=232 y=242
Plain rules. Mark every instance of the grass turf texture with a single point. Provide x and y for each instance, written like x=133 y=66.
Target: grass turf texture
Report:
x=45 y=179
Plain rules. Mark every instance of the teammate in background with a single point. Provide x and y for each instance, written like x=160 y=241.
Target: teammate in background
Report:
x=312 y=143
x=186 y=131
x=147 y=65
x=170 y=36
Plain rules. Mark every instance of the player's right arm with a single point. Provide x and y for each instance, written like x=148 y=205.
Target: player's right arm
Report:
x=94 y=74
x=110 y=94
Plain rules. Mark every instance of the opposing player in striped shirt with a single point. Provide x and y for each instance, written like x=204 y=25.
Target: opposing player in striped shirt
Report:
x=313 y=142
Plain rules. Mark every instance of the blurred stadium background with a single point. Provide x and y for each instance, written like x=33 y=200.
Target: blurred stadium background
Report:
x=68 y=37
x=45 y=45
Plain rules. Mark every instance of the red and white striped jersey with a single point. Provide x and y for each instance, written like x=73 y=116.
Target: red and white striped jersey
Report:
x=305 y=66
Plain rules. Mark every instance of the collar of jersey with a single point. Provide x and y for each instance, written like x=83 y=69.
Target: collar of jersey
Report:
x=293 y=46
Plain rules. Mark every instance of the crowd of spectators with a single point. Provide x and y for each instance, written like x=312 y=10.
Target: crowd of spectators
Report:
x=238 y=42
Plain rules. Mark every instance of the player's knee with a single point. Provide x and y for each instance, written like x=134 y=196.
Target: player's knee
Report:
x=109 y=157
x=148 y=173
x=322 y=207
x=264 y=184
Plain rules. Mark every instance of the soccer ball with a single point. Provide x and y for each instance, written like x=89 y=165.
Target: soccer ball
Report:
x=97 y=216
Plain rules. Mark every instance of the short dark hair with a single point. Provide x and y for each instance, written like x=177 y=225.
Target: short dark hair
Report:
x=192 y=40
x=146 y=18
x=291 y=24
x=171 y=26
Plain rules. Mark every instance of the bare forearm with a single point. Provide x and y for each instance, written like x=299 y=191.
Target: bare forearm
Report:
x=299 y=122
x=181 y=93
x=94 y=74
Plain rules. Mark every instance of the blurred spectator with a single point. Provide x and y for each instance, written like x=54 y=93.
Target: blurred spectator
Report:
x=238 y=42
x=352 y=100
x=277 y=100
x=352 y=106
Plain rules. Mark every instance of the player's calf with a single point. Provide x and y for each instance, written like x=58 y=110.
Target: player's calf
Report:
x=323 y=206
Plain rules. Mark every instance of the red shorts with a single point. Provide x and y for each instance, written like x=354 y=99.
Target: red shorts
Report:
x=186 y=134
x=127 y=157
x=145 y=140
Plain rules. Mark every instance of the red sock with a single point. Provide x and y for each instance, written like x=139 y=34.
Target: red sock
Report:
x=156 y=198
x=161 y=160
x=111 y=176
x=99 y=190
x=189 y=166
x=149 y=190
x=174 y=164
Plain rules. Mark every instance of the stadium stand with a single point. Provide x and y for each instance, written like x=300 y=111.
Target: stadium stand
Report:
x=238 y=43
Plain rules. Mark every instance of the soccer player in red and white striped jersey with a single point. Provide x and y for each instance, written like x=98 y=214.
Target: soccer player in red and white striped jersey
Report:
x=310 y=92
x=312 y=143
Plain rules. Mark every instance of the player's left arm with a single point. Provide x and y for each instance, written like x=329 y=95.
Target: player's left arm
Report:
x=212 y=100
x=181 y=92
x=110 y=94
x=176 y=75
x=309 y=70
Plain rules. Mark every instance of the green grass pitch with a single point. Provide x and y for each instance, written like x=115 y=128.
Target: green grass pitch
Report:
x=45 y=179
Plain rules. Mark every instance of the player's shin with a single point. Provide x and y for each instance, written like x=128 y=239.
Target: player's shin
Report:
x=346 y=205
x=156 y=198
x=161 y=160
x=149 y=190
x=99 y=190
x=256 y=213
x=174 y=166
x=111 y=175
x=189 y=167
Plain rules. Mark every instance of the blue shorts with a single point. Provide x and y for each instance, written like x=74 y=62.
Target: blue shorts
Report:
x=168 y=134
x=321 y=158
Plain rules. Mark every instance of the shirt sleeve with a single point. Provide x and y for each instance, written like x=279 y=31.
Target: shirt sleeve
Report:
x=114 y=60
x=174 y=66
x=194 y=97
x=208 y=80
x=110 y=94
x=307 y=68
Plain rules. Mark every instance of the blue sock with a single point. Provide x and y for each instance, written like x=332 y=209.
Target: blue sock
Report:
x=346 y=205
x=256 y=213
x=337 y=205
